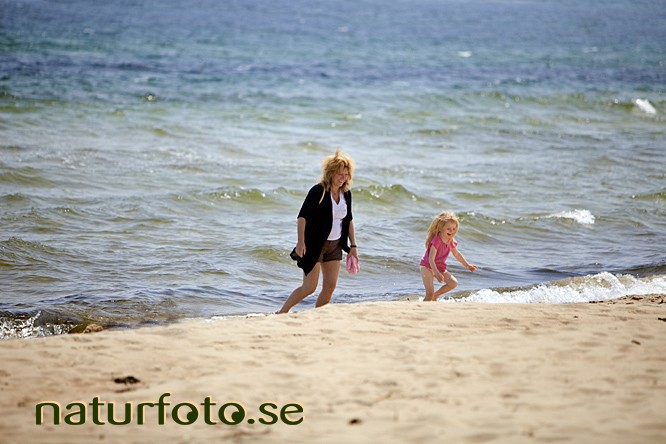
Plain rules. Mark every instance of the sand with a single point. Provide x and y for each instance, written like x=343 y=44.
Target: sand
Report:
x=394 y=372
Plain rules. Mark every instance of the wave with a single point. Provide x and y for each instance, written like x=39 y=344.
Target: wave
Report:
x=657 y=268
x=378 y=196
x=122 y=310
x=656 y=196
x=255 y=198
x=577 y=100
x=26 y=176
x=529 y=226
x=645 y=106
x=583 y=217
x=14 y=199
x=239 y=195
x=599 y=287
x=16 y=251
x=385 y=194
x=12 y=327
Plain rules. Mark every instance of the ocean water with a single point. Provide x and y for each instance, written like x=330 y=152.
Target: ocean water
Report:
x=154 y=154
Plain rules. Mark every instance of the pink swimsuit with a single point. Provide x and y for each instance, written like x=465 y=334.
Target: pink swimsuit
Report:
x=443 y=251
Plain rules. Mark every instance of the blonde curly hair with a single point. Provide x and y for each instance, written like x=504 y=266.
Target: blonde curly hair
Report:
x=438 y=224
x=334 y=164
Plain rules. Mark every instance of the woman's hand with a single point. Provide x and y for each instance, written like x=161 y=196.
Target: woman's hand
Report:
x=300 y=249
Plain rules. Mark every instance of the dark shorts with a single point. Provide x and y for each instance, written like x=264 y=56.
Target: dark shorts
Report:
x=331 y=251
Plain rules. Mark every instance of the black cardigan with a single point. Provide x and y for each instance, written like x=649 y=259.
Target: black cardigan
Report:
x=318 y=215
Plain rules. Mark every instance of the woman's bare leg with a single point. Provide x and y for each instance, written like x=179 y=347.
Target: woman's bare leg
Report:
x=330 y=271
x=306 y=289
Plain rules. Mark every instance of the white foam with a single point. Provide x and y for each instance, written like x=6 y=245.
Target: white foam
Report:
x=27 y=328
x=599 y=287
x=645 y=106
x=235 y=316
x=583 y=217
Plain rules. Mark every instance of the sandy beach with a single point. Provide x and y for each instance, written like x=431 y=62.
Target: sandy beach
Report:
x=399 y=372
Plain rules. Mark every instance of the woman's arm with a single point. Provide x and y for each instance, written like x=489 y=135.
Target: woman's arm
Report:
x=307 y=211
x=300 y=244
x=352 y=240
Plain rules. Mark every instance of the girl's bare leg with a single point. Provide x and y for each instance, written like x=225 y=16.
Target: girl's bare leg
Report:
x=330 y=271
x=306 y=289
x=450 y=282
x=428 y=279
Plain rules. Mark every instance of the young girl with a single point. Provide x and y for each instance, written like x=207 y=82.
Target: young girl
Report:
x=439 y=243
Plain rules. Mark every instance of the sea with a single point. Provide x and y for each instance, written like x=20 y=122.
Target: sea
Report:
x=154 y=154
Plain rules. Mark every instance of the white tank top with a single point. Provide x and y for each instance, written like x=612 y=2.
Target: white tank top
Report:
x=339 y=213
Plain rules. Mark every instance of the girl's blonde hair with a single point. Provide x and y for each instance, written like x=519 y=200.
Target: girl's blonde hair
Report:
x=438 y=223
x=334 y=164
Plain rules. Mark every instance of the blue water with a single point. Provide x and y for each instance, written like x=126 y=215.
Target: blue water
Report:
x=154 y=155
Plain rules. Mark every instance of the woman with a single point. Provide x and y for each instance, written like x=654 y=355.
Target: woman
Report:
x=325 y=228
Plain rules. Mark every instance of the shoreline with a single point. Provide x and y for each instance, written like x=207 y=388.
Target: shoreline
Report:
x=47 y=321
x=363 y=372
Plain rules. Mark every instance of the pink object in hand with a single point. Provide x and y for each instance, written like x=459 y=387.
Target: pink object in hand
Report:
x=352 y=264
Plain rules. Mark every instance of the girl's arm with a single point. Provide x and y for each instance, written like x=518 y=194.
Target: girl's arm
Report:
x=458 y=255
x=431 y=258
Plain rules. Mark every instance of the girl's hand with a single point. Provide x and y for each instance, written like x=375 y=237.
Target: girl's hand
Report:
x=472 y=267
x=300 y=249
x=439 y=276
